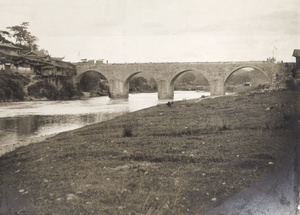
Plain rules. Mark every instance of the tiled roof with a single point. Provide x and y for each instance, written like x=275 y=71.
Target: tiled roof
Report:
x=5 y=60
x=34 y=58
x=48 y=67
x=10 y=53
x=7 y=45
x=36 y=53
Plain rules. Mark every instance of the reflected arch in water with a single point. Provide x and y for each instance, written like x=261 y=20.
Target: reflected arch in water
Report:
x=20 y=125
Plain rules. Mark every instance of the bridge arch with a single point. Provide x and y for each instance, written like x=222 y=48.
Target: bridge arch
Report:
x=93 y=82
x=130 y=77
x=173 y=80
x=179 y=74
x=126 y=83
x=79 y=77
x=166 y=87
x=246 y=66
x=149 y=85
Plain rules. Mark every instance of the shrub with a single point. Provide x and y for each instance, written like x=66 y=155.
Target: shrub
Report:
x=43 y=89
x=127 y=131
x=12 y=87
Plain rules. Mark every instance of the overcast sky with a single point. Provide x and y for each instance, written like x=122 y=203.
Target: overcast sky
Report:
x=160 y=30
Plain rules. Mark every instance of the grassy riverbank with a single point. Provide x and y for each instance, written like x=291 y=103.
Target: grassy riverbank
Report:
x=182 y=159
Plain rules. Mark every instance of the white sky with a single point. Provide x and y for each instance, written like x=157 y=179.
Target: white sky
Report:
x=160 y=30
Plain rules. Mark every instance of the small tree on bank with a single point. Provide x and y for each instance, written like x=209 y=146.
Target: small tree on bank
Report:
x=22 y=37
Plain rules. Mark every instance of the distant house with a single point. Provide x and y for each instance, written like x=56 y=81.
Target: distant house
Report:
x=9 y=47
x=36 y=59
x=36 y=54
x=9 y=55
x=57 y=67
x=296 y=54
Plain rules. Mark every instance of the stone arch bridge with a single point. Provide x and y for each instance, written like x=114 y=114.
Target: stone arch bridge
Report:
x=165 y=74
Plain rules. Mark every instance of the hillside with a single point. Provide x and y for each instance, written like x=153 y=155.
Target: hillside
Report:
x=12 y=87
x=17 y=87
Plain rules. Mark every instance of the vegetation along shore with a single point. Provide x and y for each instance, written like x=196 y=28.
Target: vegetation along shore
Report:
x=182 y=158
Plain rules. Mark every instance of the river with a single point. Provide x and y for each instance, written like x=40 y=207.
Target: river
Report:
x=22 y=123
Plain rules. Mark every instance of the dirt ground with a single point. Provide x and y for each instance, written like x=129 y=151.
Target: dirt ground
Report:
x=186 y=158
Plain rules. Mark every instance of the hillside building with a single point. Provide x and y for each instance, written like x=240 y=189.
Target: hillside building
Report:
x=16 y=60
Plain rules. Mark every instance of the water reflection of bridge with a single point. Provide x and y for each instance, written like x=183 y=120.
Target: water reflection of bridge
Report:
x=165 y=74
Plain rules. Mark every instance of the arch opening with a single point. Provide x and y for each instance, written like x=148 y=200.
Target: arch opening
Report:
x=93 y=84
x=245 y=79
x=141 y=82
x=190 y=80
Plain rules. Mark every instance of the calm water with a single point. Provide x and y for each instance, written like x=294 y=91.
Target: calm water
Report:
x=22 y=122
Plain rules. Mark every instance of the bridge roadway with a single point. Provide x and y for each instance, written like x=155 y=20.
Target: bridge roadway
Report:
x=165 y=74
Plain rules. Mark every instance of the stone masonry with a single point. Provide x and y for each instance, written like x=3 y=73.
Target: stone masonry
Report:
x=165 y=74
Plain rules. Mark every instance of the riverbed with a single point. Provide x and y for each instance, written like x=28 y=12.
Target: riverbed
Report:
x=22 y=123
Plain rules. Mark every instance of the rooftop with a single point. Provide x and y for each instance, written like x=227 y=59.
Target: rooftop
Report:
x=9 y=53
x=36 y=53
x=296 y=53
x=7 y=45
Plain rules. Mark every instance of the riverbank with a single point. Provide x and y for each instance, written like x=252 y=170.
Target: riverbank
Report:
x=17 y=87
x=10 y=147
x=186 y=158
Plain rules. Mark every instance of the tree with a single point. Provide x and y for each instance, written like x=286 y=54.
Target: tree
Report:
x=239 y=78
x=137 y=84
x=91 y=81
x=188 y=78
x=3 y=35
x=45 y=51
x=23 y=37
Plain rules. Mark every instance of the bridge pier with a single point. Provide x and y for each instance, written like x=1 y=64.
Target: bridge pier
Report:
x=118 y=89
x=165 y=89
x=217 y=87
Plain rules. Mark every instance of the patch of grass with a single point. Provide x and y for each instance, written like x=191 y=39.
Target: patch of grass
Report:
x=168 y=160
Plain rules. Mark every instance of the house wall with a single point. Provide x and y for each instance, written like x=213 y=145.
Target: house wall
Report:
x=2 y=67
x=11 y=69
x=298 y=61
x=22 y=70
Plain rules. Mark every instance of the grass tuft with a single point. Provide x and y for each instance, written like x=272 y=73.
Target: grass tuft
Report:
x=127 y=131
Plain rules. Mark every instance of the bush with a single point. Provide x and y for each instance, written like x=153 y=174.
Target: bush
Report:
x=140 y=84
x=68 y=91
x=43 y=89
x=12 y=87
x=127 y=131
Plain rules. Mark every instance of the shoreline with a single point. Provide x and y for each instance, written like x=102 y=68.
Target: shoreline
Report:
x=10 y=147
x=4 y=149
